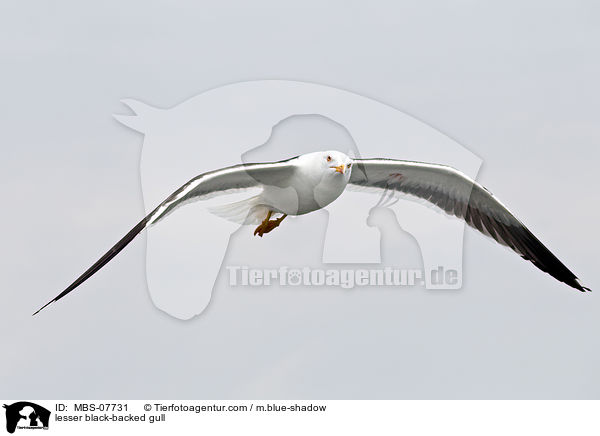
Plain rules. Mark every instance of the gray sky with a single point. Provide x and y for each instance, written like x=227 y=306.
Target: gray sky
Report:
x=516 y=83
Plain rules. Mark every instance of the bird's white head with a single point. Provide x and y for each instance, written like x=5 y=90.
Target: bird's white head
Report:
x=333 y=164
x=325 y=174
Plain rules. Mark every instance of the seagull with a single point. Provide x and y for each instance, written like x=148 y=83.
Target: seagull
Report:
x=311 y=181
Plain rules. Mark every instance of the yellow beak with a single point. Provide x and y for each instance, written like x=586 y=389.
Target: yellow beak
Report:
x=340 y=169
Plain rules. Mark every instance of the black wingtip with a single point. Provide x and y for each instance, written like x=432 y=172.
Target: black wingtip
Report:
x=45 y=305
x=100 y=262
x=577 y=285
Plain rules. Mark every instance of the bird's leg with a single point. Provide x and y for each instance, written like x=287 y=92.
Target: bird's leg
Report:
x=268 y=224
x=260 y=230
x=274 y=223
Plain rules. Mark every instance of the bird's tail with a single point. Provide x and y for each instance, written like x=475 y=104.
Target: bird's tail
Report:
x=247 y=211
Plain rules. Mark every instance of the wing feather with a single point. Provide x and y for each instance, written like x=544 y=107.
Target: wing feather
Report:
x=457 y=194
x=207 y=185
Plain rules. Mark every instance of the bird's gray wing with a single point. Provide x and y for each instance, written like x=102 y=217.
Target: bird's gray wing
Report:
x=227 y=180
x=457 y=194
x=204 y=186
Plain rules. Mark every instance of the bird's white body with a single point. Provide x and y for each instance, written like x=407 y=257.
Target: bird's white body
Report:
x=315 y=183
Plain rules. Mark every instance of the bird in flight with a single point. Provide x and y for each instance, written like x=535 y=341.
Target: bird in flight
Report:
x=309 y=182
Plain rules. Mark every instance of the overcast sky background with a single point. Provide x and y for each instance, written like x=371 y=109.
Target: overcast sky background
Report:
x=516 y=83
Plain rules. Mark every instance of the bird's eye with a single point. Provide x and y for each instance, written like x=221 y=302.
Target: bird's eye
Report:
x=328 y=158
x=349 y=165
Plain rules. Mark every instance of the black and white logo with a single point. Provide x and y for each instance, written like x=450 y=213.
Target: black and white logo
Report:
x=26 y=415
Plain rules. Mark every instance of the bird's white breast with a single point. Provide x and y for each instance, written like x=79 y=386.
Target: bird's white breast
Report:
x=309 y=190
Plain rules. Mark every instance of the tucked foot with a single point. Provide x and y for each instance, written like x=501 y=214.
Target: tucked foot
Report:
x=267 y=225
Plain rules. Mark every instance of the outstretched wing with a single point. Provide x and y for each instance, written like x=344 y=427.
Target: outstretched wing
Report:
x=458 y=195
x=207 y=185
